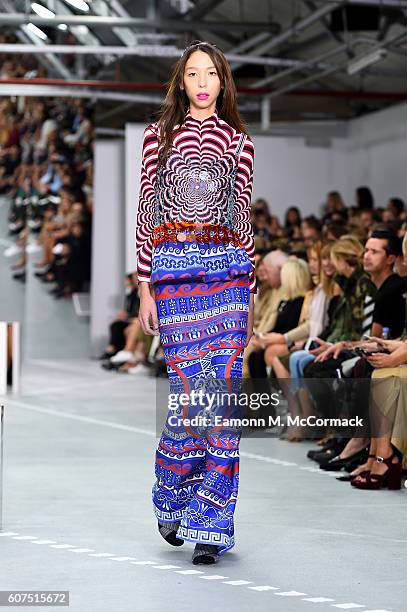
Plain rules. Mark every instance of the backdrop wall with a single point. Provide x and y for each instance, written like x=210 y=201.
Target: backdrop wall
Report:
x=108 y=240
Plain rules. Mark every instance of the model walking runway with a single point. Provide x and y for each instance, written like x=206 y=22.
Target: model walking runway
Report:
x=195 y=246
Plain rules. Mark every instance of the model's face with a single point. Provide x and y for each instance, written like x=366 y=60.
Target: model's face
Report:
x=201 y=81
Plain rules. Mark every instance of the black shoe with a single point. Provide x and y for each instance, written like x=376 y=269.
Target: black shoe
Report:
x=205 y=554
x=349 y=464
x=330 y=444
x=169 y=532
x=347 y=478
x=325 y=456
x=316 y=451
x=106 y=355
x=331 y=450
x=20 y=276
x=108 y=365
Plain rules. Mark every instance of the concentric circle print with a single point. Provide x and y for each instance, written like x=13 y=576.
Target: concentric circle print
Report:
x=196 y=190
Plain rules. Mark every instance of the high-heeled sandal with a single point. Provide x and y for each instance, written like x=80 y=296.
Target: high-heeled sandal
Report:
x=391 y=479
x=363 y=474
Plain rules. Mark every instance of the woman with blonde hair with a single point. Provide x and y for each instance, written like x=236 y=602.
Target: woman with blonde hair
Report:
x=295 y=283
x=313 y=318
x=289 y=368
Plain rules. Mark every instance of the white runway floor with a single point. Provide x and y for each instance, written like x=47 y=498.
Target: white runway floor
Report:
x=79 y=451
x=79 y=448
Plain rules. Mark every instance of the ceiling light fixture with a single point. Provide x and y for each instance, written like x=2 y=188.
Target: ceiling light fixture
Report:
x=34 y=30
x=78 y=4
x=42 y=11
x=362 y=62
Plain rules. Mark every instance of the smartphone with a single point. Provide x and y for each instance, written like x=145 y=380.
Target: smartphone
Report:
x=365 y=353
x=311 y=345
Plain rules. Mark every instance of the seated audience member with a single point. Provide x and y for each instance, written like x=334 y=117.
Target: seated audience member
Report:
x=388 y=419
x=311 y=229
x=260 y=204
x=364 y=198
x=366 y=219
x=313 y=315
x=352 y=317
x=290 y=373
x=268 y=299
x=396 y=206
x=384 y=361
x=334 y=204
x=334 y=231
x=73 y=262
x=295 y=283
x=292 y=223
x=117 y=328
x=261 y=226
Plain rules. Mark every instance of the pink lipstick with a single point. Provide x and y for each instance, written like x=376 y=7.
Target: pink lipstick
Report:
x=203 y=96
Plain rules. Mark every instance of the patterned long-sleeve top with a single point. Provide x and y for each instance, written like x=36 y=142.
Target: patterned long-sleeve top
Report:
x=195 y=183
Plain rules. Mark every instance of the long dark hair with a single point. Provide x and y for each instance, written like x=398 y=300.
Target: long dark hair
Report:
x=176 y=101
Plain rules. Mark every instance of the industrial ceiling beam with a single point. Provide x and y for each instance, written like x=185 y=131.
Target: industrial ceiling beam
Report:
x=300 y=26
x=140 y=50
x=331 y=70
x=49 y=61
x=325 y=23
x=93 y=21
x=29 y=90
x=401 y=4
x=131 y=91
x=202 y=8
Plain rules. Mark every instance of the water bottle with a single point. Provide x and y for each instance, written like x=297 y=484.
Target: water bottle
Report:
x=385 y=333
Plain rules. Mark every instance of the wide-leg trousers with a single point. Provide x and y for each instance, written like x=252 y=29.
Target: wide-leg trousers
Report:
x=203 y=327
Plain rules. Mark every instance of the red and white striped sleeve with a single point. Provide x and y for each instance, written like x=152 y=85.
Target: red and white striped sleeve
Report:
x=243 y=194
x=146 y=206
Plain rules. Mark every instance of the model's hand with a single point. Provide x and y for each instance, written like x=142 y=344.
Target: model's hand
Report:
x=148 y=312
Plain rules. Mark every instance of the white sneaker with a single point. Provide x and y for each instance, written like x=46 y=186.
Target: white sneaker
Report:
x=123 y=357
x=14 y=249
x=140 y=368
